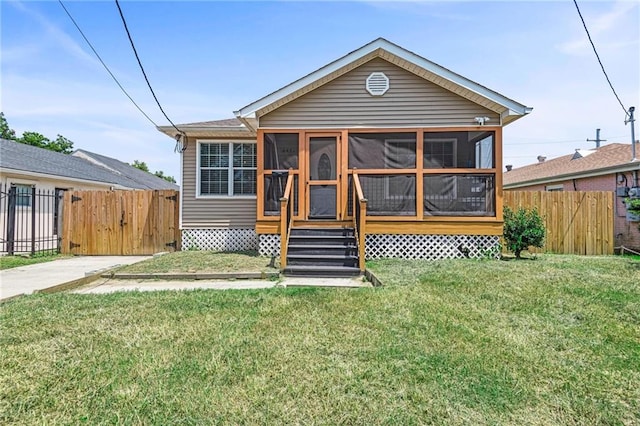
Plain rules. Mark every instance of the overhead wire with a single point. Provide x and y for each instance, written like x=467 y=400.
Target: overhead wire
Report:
x=124 y=22
x=104 y=64
x=599 y=61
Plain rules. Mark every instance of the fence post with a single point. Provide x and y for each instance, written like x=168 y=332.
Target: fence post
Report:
x=11 y=221
x=33 y=220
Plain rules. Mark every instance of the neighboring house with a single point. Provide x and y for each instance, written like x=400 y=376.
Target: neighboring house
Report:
x=135 y=178
x=39 y=176
x=608 y=168
x=425 y=142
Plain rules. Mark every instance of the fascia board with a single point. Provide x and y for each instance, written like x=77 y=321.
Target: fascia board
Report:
x=193 y=131
x=593 y=173
x=27 y=174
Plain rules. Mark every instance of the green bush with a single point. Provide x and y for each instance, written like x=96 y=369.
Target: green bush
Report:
x=522 y=229
x=633 y=204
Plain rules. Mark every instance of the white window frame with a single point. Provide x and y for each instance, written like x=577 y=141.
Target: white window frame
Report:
x=454 y=144
x=230 y=169
x=23 y=196
x=556 y=187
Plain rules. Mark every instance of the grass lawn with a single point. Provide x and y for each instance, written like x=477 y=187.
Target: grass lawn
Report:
x=202 y=261
x=8 y=262
x=549 y=341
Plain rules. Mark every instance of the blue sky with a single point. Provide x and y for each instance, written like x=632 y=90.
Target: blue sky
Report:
x=206 y=59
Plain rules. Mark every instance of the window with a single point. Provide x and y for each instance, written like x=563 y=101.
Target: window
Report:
x=557 y=187
x=23 y=195
x=227 y=168
x=439 y=153
x=400 y=153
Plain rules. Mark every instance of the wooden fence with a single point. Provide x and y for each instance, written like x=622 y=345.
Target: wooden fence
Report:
x=120 y=222
x=576 y=222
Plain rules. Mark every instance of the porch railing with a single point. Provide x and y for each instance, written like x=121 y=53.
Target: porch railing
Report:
x=287 y=202
x=359 y=219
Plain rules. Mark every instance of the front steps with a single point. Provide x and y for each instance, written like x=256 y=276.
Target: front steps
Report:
x=322 y=252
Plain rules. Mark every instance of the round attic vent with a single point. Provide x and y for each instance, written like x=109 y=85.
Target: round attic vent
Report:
x=377 y=84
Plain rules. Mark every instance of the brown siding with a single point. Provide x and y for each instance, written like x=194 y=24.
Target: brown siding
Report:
x=229 y=212
x=410 y=101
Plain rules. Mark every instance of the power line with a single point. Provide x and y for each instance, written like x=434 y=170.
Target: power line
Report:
x=598 y=57
x=124 y=22
x=549 y=142
x=105 y=65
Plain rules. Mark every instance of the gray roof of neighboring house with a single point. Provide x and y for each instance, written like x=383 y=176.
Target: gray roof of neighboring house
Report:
x=27 y=158
x=145 y=179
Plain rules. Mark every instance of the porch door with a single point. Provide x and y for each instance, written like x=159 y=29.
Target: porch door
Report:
x=323 y=175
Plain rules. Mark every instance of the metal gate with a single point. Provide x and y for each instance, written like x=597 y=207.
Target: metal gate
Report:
x=120 y=222
x=30 y=219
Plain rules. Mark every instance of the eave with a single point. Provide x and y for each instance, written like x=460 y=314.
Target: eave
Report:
x=30 y=175
x=509 y=109
x=208 y=131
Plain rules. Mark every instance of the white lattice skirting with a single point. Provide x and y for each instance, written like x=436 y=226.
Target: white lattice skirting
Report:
x=219 y=239
x=269 y=245
x=431 y=247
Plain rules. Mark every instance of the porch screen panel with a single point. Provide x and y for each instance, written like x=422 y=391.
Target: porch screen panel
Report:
x=274 y=190
x=389 y=195
x=459 y=195
x=281 y=151
x=463 y=150
x=382 y=150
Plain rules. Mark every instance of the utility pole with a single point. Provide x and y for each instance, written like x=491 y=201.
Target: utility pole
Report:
x=597 y=140
x=633 y=133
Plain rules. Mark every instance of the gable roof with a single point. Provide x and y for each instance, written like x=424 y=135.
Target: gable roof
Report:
x=509 y=109
x=144 y=180
x=27 y=159
x=615 y=157
x=230 y=127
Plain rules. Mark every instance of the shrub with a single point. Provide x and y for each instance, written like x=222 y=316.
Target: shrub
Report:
x=633 y=204
x=522 y=229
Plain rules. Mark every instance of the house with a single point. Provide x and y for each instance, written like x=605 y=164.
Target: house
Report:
x=22 y=164
x=607 y=168
x=380 y=149
x=135 y=178
x=35 y=177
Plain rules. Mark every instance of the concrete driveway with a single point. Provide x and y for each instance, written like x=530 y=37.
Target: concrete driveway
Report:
x=27 y=279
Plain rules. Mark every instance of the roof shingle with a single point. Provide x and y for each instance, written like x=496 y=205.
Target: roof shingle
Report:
x=27 y=158
x=604 y=158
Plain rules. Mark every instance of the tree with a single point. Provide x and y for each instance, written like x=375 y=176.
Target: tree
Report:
x=60 y=144
x=141 y=165
x=6 y=132
x=522 y=229
x=34 y=139
x=159 y=173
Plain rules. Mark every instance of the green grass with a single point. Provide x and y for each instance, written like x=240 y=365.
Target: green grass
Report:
x=8 y=262
x=554 y=340
x=202 y=261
